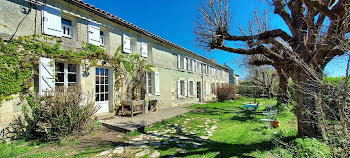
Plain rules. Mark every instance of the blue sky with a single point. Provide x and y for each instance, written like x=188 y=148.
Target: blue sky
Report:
x=174 y=21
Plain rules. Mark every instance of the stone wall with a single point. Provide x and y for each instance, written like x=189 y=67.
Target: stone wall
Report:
x=22 y=19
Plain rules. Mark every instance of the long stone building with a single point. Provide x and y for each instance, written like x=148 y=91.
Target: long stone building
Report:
x=180 y=76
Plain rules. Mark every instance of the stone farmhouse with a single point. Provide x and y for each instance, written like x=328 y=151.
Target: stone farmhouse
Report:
x=179 y=77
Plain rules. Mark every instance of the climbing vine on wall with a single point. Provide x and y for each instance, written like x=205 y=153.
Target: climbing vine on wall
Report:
x=19 y=57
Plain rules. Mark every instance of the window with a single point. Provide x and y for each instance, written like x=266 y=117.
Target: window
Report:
x=67 y=28
x=189 y=65
x=191 y=88
x=102 y=88
x=182 y=90
x=102 y=38
x=66 y=74
x=182 y=60
x=149 y=83
x=144 y=49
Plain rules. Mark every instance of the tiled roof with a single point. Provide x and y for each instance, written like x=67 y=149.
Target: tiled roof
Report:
x=109 y=16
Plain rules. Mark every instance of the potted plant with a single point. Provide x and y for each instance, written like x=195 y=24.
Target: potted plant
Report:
x=275 y=124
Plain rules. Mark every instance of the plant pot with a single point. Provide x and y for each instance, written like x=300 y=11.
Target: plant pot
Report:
x=275 y=124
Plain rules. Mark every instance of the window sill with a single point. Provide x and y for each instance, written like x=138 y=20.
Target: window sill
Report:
x=68 y=37
x=181 y=97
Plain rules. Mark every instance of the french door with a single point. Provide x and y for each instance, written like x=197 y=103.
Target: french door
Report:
x=102 y=90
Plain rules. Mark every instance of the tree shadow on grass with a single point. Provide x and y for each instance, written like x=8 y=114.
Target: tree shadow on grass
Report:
x=224 y=149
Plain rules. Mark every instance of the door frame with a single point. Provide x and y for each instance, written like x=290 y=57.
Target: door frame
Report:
x=109 y=101
x=199 y=92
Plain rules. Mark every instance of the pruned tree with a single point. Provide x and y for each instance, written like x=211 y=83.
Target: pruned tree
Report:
x=317 y=29
x=257 y=25
x=265 y=78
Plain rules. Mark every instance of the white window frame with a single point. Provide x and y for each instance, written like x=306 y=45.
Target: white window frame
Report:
x=182 y=90
x=103 y=39
x=66 y=74
x=190 y=85
x=106 y=90
x=149 y=83
x=144 y=49
x=67 y=27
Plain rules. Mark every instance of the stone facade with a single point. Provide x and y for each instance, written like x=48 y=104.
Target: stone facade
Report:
x=24 y=17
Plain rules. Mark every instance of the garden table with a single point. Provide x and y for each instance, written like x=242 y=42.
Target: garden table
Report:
x=251 y=108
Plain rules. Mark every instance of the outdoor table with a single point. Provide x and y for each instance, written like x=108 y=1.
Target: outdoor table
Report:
x=251 y=108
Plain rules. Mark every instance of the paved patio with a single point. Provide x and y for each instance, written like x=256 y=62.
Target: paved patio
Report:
x=139 y=122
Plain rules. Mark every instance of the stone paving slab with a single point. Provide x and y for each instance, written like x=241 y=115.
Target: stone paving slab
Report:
x=139 y=122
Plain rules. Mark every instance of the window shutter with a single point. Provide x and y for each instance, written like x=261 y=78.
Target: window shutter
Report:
x=186 y=88
x=178 y=88
x=178 y=61
x=126 y=44
x=46 y=75
x=51 y=21
x=194 y=87
x=157 y=90
x=94 y=34
x=192 y=65
x=144 y=49
x=185 y=63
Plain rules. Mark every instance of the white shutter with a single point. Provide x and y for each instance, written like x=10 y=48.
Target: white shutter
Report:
x=186 y=88
x=126 y=44
x=185 y=63
x=178 y=88
x=51 y=21
x=156 y=77
x=194 y=87
x=178 y=61
x=144 y=49
x=46 y=75
x=94 y=34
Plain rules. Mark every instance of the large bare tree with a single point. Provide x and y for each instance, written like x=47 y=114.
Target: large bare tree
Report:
x=317 y=29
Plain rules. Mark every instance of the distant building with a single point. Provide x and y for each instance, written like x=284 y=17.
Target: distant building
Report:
x=233 y=78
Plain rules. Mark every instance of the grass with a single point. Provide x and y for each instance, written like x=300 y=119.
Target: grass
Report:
x=87 y=145
x=234 y=136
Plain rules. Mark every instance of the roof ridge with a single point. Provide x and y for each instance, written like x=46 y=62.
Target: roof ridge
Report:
x=139 y=29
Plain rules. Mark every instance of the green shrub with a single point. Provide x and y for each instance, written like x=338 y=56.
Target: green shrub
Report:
x=247 y=88
x=280 y=107
x=62 y=114
x=226 y=92
x=311 y=147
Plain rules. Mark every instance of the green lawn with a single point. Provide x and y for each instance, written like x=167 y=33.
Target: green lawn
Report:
x=233 y=137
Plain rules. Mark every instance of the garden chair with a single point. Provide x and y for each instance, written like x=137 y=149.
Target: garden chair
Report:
x=269 y=117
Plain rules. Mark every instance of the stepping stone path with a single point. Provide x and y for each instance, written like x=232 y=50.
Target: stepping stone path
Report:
x=178 y=135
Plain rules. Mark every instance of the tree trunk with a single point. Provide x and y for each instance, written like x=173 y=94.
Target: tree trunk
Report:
x=307 y=91
x=282 y=96
x=268 y=91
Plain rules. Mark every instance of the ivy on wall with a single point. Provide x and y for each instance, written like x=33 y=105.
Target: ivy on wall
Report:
x=19 y=57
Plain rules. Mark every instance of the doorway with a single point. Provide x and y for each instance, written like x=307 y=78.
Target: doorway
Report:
x=102 y=90
x=199 y=91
